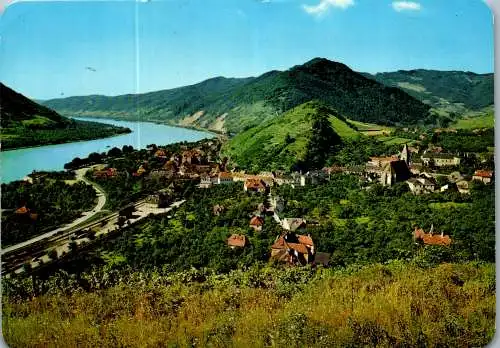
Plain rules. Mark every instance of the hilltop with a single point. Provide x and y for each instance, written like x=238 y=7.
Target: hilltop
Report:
x=302 y=136
x=235 y=105
x=26 y=123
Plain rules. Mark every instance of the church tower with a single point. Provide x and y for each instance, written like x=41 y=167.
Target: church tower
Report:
x=405 y=155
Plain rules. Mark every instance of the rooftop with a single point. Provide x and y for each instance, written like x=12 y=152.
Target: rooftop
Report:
x=237 y=240
x=484 y=173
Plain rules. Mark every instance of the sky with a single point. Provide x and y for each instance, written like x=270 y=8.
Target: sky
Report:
x=60 y=49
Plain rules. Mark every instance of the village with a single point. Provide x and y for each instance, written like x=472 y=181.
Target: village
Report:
x=421 y=171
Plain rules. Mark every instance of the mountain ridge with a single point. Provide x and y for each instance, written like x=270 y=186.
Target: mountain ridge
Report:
x=237 y=104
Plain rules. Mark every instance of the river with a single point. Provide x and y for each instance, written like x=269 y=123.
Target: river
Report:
x=15 y=164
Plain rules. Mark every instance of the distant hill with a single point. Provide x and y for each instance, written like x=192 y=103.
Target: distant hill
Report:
x=26 y=123
x=301 y=137
x=451 y=91
x=239 y=104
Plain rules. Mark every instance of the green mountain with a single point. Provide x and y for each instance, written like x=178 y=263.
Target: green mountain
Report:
x=449 y=91
x=26 y=123
x=239 y=104
x=301 y=137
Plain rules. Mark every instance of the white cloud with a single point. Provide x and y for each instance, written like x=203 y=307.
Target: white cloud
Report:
x=400 y=6
x=324 y=5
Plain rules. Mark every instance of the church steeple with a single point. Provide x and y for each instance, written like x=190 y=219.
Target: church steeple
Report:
x=405 y=154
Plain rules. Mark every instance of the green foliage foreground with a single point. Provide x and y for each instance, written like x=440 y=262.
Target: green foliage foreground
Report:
x=393 y=305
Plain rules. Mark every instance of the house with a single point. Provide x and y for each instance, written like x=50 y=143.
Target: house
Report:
x=206 y=181
x=170 y=167
x=192 y=157
x=105 y=173
x=24 y=212
x=160 y=153
x=160 y=173
x=485 y=176
x=281 y=180
x=394 y=172
x=463 y=186
x=140 y=171
x=224 y=178
x=293 y=224
x=21 y=211
x=256 y=223
x=421 y=185
x=416 y=168
x=430 y=238
x=203 y=168
x=440 y=159
x=333 y=170
x=237 y=241
x=277 y=204
x=293 y=249
x=255 y=185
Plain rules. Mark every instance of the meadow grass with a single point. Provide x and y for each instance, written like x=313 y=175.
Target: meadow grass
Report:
x=392 y=305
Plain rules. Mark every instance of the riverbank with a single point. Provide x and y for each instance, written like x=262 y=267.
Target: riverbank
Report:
x=16 y=139
x=19 y=162
x=165 y=123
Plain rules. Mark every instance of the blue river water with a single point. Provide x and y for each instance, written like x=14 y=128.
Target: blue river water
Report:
x=15 y=164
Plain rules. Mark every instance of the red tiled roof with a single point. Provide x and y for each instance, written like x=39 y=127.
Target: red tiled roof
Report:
x=22 y=210
x=484 y=173
x=307 y=240
x=256 y=221
x=225 y=175
x=301 y=248
x=255 y=184
x=432 y=239
x=238 y=240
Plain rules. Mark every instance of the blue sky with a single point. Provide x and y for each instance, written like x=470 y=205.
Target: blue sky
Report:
x=54 y=49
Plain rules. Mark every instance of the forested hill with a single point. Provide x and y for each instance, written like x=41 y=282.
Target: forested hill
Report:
x=441 y=88
x=302 y=138
x=16 y=109
x=238 y=104
x=26 y=123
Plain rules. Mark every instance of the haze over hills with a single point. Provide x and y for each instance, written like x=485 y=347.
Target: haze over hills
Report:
x=26 y=123
x=239 y=104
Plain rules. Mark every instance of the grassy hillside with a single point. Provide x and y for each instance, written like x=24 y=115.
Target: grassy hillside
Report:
x=239 y=104
x=393 y=305
x=26 y=123
x=287 y=139
x=473 y=120
x=451 y=91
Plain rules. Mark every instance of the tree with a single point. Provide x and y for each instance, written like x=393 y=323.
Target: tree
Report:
x=115 y=152
x=95 y=157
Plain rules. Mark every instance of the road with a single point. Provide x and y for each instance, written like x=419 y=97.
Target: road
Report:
x=62 y=247
x=101 y=200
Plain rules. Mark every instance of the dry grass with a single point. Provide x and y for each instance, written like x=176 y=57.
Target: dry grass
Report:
x=386 y=306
